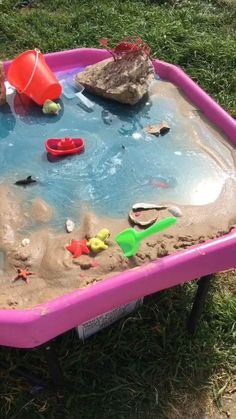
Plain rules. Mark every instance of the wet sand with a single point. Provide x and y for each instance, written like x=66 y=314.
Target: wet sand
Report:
x=57 y=272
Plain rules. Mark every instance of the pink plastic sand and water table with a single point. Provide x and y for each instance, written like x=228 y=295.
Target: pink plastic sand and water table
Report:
x=25 y=327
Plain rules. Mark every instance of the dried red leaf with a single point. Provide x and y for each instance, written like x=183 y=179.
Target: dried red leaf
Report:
x=126 y=47
x=131 y=44
x=103 y=42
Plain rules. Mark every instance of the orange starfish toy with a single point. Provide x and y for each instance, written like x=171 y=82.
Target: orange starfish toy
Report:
x=23 y=274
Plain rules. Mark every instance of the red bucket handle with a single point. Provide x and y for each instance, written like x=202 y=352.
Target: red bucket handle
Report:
x=33 y=72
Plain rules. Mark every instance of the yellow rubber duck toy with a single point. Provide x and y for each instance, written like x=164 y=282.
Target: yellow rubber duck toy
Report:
x=103 y=234
x=98 y=243
x=50 y=107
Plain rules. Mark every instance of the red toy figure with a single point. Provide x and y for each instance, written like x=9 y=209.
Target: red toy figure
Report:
x=78 y=247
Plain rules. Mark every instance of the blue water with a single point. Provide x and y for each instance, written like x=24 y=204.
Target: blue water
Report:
x=121 y=165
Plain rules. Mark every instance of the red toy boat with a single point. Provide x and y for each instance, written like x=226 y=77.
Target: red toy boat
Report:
x=65 y=146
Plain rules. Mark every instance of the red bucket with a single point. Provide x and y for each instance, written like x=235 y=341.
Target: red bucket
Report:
x=30 y=74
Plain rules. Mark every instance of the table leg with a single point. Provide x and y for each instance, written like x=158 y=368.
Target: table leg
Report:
x=54 y=366
x=198 y=303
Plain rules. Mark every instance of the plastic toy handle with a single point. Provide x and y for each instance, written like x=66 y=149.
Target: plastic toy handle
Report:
x=85 y=100
x=33 y=72
x=155 y=228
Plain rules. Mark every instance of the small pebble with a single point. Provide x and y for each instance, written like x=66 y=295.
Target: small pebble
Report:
x=136 y=136
x=84 y=262
x=25 y=242
x=94 y=264
x=70 y=225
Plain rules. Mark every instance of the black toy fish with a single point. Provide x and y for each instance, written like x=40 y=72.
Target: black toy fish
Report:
x=26 y=181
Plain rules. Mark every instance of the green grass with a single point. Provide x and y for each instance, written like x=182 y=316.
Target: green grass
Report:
x=197 y=35
x=146 y=366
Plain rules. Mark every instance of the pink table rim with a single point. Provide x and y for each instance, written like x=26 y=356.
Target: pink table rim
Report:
x=30 y=328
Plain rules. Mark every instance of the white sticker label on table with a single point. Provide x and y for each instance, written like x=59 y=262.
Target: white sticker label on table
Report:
x=98 y=323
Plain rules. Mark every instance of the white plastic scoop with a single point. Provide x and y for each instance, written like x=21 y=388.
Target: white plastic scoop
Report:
x=83 y=98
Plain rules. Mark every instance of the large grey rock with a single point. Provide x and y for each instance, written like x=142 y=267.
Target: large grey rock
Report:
x=125 y=80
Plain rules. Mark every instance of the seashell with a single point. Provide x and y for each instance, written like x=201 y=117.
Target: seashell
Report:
x=176 y=211
x=152 y=129
x=146 y=206
x=70 y=225
x=157 y=129
x=164 y=128
x=137 y=221
x=25 y=242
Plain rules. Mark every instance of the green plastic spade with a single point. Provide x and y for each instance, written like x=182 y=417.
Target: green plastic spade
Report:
x=129 y=239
